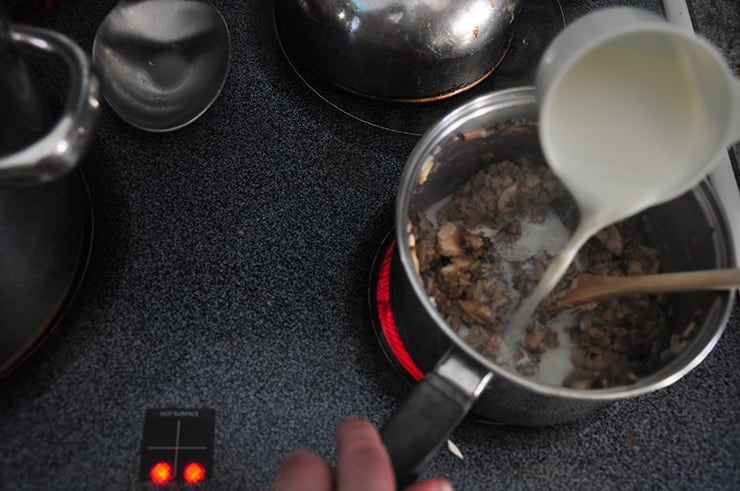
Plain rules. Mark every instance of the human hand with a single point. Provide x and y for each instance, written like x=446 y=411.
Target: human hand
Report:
x=363 y=465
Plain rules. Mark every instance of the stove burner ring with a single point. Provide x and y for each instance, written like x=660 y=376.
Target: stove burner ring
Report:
x=383 y=313
x=386 y=326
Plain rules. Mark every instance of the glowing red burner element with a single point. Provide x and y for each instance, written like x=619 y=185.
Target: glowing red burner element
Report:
x=161 y=473
x=194 y=473
x=385 y=316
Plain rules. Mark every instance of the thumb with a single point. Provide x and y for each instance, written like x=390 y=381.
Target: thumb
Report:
x=435 y=484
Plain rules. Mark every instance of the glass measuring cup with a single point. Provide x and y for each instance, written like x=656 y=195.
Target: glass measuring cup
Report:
x=633 y=112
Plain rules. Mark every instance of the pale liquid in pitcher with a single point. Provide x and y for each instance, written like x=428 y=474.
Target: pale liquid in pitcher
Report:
x=625 y=124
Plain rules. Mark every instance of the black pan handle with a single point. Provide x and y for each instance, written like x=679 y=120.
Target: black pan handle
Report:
x=430 y=412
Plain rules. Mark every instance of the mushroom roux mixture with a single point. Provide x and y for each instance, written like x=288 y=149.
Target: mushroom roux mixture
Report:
x=475 y=267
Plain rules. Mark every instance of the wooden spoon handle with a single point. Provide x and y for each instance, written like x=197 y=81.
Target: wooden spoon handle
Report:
x=589 y=288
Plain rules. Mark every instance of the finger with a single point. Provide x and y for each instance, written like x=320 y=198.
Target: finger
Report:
x=435 y=484
x=305 y=471
x=364 y=464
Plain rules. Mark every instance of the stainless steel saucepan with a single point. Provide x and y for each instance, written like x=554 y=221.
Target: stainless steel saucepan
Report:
x=691 y=233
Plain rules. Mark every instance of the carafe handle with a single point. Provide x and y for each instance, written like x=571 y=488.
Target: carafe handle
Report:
x=735 y=128
x=59 y=150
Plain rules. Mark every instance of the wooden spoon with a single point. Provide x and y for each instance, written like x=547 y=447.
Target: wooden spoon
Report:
x=590 y=288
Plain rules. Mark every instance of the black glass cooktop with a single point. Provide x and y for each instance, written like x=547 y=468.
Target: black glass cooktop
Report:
x=229 y=273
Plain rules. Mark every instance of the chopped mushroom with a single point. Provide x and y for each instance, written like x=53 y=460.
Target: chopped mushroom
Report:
x=614 y=342
x=612 y=240
x=507 y=200
x=449 y=240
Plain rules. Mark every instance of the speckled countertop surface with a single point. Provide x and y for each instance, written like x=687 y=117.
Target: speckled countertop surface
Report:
x=230 y=271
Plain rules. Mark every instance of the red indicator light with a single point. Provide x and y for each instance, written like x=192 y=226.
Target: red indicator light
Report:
x=194 y=473
x=161 y=473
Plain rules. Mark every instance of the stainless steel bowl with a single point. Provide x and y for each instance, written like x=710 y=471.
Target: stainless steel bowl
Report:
x=406 y=50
